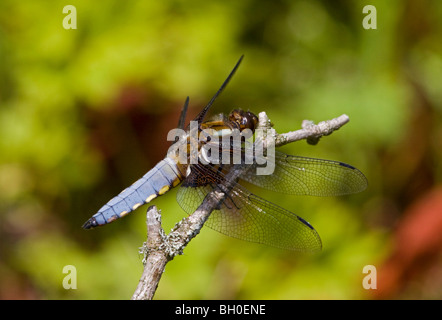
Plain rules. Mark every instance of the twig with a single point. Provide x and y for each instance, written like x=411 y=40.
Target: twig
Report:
x=160 y=248
x=155 y=260
x=312 y=132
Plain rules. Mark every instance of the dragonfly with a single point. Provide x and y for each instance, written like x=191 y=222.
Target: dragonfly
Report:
x=241 y=214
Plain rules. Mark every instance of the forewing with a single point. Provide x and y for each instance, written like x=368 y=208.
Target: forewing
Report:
x=308 y=176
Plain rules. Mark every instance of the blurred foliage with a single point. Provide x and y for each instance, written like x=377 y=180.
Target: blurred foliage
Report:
x=85 y=112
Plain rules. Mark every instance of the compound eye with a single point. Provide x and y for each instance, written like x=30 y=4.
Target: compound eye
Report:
x=249 y=120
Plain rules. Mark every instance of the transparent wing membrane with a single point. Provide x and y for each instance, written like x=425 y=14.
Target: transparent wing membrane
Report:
x=308 y=176
x=246 y=216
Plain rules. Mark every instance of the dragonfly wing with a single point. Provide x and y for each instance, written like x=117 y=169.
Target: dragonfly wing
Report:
x=308 y=176
x=246 y=216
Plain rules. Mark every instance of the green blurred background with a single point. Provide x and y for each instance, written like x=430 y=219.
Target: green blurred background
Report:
x=85 y=112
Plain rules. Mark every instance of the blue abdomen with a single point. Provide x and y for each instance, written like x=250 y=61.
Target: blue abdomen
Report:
x=156 y=182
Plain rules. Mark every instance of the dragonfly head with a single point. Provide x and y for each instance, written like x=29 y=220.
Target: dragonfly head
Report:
x=244 y=119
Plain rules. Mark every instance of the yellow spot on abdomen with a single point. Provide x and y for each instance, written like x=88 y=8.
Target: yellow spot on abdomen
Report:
x=163 y=190
x=150 y=198
x=176 y=182
x=122 y=214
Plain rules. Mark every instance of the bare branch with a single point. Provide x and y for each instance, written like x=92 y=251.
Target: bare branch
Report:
x=155 y=259
x=311 y=132
x=160 y=248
